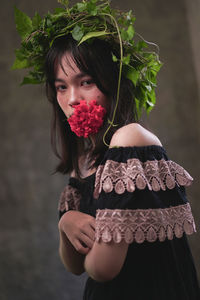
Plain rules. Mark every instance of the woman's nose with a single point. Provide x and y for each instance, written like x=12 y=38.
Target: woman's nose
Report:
x=73 y=96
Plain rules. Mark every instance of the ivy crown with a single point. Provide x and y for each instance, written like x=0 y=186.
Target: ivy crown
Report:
x=85 y=21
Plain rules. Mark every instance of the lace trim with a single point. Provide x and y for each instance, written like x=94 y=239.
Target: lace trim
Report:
x=69 y=199
x=144 y=224
x=155 y=174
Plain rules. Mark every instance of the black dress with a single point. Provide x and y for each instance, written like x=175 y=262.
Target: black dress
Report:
x=137 y=194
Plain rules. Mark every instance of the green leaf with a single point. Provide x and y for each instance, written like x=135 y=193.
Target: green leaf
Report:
x=105 y=9
x=133 y=75
x=36 y=21
x=130 y=17
x=64 y=2
x=156 y=67
x=140 y=94
x=20 y=54
x=130 y=32
x=48 y=21
x=59 y=10
x=152 y=97
x=138 y=107
x=30 y=80
x=126 y=59
x=151 y=77
x=23 y=23
x=20 y=64
x=94 y=34
x=141 y=45
x=150 y=103
x=114 y=58
x=148 y=87
x=81 y=6
x=92 y=9
x=77 y=33
x=124 y=34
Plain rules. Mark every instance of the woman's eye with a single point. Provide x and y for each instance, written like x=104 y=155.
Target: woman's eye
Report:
x=87 y=82
x=60 y=88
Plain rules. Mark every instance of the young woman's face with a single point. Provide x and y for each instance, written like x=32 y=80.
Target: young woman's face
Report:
x=72 y=85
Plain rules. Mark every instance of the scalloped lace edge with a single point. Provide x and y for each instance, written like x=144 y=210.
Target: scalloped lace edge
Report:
x=155 y=175
x=144 y=224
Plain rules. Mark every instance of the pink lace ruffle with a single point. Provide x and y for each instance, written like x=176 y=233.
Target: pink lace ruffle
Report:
x=156 y=175
x=69 y=199
x=144 y=224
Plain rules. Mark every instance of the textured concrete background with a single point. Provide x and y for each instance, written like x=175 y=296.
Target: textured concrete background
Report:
x=29 y=264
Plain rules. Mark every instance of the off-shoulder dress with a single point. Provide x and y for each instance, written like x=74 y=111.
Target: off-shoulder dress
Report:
x=138 y=194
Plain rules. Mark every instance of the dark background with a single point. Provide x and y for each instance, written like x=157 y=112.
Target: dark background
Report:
x=29 y=264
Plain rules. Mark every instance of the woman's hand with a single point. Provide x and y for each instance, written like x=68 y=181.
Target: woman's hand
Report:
x=79 y=229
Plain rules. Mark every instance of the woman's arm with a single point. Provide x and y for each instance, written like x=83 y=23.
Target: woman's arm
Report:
x=76 y=231
x=71 y=259
x=105 y=260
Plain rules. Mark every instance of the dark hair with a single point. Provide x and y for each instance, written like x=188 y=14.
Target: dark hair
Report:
x=95 y=59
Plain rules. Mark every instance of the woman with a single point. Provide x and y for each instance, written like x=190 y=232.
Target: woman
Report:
x=124 y=215
x=116 y=268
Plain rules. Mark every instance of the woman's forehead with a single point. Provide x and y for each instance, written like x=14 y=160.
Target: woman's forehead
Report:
x=67 y=65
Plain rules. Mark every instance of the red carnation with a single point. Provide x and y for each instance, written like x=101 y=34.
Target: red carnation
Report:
x=87 y=118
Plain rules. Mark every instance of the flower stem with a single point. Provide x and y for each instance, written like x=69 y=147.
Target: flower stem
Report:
x=111 y=123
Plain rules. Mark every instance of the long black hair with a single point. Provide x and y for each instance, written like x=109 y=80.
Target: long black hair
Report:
x=95 y=59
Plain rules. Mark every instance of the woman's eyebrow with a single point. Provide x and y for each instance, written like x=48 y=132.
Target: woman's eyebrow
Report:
x=59 y=80
x=76 y=76
x=80 y=75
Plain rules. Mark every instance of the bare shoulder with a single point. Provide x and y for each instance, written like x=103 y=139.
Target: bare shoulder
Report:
x=133 y=135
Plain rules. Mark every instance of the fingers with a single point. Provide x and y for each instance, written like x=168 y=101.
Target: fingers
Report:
x=89 y=231
x=93 y=223
x=80 y=248
x=79 y=229
x=86 y=240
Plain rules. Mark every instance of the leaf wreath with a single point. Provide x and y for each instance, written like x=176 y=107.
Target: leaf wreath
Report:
x=84 y=21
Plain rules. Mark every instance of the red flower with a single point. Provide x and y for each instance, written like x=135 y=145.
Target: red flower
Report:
x=87 y=118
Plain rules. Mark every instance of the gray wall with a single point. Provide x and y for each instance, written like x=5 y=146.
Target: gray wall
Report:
x=29 y=264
